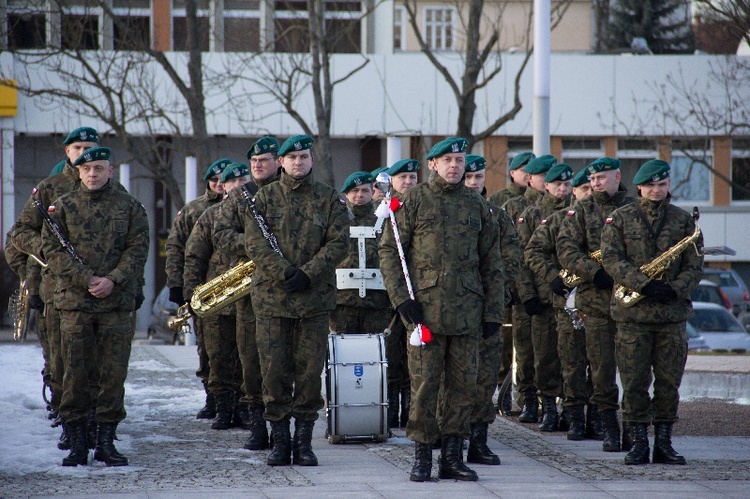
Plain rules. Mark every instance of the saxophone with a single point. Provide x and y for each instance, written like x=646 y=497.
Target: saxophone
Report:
x=570 y=279
x=18 y=309
x=655 y=269
x=215 y=295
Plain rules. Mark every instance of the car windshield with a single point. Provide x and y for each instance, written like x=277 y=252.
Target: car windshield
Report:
x=723 y=279
x=708 y=294
x=709 y=321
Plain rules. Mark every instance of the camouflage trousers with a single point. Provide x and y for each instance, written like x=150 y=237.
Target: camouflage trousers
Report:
x=398 y=358
x=600 y=351
x=547 y=376
x=247 y=346
x=346 y=319
x=54 y=383
x=448 y=365
x=220 y=336
x=646 y=352
x=490 y=356
x=203 y=367
x=524 y=348
x=571 y=346
x=507 y=360
x=98 y=342
x=292 y=356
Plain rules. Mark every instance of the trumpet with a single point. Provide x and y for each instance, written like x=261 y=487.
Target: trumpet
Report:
x=570 y=279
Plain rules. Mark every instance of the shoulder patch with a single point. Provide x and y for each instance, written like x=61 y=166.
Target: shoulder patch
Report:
x=51 y=208
x=520 y=220
x=34 y=191
x=608 y=220
x=571 y=213
x=543 y=222
x=342 y=201
x=179 y=213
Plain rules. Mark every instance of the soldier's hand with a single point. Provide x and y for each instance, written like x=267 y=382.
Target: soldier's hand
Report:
x=101 y=287
x=411 y=312
x=558 y=286
x=533 y=306
x=36 y=302
x=175 y=295
x=297 y=282
x=659 y=291
x=490 y=329
x=602 y=280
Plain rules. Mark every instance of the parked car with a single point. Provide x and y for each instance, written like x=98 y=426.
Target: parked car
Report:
x=732 y=284
x=161 y=311
x=696 y=343
x=719 y=328
x=710 y=292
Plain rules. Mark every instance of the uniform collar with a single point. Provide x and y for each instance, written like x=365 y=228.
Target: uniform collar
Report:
x=92 y=195
x=292 y=183
x=440 y=184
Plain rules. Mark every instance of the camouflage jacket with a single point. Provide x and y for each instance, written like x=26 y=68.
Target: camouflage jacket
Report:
x=203 y=260
x=541 y=255
x=374 y=298
x=627 y=244
x=527 y=285
x=16 y=258
x=579 y=236
x=515 y=206
x=109 y=230
x=450 y=240
x=502 y=196
x=510 y=249
x=311 y=225
x=181 y=227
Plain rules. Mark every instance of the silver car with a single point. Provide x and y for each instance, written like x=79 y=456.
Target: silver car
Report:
x=719 y=328
x=732 y=284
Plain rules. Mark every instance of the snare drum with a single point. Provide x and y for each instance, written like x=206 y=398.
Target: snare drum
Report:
x=356 y=388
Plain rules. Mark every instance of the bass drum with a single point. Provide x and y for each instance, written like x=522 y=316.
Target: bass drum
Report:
x=356 y=388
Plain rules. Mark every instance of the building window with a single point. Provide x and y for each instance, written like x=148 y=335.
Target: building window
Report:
x=632 y=153
x=179 y=35
x=399 y=28
x=132 y=33
x=80 y=32
x=579 y=152
x=342 y=30
x=741 y=169
x=438 y=28
x=26 y=31
x=690 y=179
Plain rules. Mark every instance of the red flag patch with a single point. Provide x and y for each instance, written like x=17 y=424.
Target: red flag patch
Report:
x=608 y=220
x=51 y=208
x=571 y=213
x=520 y=220
x=543 y=222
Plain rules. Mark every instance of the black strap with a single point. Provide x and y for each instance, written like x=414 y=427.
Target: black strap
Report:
x=654 y=234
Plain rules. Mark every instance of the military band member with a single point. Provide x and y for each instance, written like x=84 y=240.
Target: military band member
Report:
x=293 y=293
x=175 y=265
x=651 y=336
x=579 y=237
x=377 y=194
x=109 y=230
x=519 y=180
x=452 y=249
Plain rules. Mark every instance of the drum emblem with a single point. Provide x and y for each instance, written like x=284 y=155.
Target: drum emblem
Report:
x=359 y=370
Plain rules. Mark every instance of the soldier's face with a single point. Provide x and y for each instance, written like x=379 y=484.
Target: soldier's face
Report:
x=360 y=195
x=214 y=184
x=475 y=180
x=582 y=191
x=519 y=177
x=402 y=182
x=297 y=164
x=536 y=181
x=95 y=174
x=655 y=191
x=451 y=166
x=559 y=188
x=235 y=182
x=73 y=151
x=605 y=181
x=263 y=166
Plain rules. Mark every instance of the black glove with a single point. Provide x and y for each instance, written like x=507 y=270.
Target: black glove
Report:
x=36 y=302
x=602 y=280
x=659 y=291
x=175 y=295
x=558 y=286
x=298 y=281
x=533 y=306
x=490 y=329
x=289 y=272
x=411 y=312
x=139 y=300
x=508 y=297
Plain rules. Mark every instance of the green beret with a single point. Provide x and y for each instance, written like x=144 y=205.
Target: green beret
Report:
x=378 y=171
x=235 y=170
x=474 y=163
x=520 y=160
x=296 y=143
x=356 y=179
x=540 y=165
x=216 y=168
x=560 y=171
x=82 y=134
x=453 y=144
x=93 y=154
x=581 y=178
x=605 y=164
x=403 y=166
x=59 y=167
x=651 y=171
x=262 y=146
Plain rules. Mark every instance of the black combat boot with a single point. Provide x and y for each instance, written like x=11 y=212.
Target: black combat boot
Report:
x=576 y=431
x=550 y=417
x=663 y=451
x=91 y=429
x=594 y=427
x=564 y=423
x=241 y=414
x=64 y=442
x=79 y=453
x=451 y=463
x=281 y=455
x=258 y=439
x=639 y=453
x=303 y=454
x=209 y=409
x=530 y=412
x=392 y=406
x=405 y=406
x=611 y=441
x=224 y=411
x=105 y=446
x=422 y=469
x=478 y=451
x=627 y=437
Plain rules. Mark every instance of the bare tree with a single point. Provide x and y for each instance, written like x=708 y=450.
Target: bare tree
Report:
x=735 y=12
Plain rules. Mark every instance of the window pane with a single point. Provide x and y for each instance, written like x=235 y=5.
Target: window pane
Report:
x=741 y=177
x=26 y=31
x=180 y=33
x=690 y=180
x=80 y=32
x=241 y=34
x=132 y=33
x=344 y=35
x=292 y=35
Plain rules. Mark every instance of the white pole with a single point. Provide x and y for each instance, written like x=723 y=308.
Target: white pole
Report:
x=125 y=176
x=191 y=175
x=541 y=76
x=393 y=145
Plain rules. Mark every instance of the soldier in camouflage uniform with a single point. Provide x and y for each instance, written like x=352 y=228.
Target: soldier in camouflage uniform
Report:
x=651 y=334
x=519 y=180
x=377 y=194
x=229 y=237
x=537 y=294
x=490 y=349
x=293 y=293
x=580 y=236
x=175 y=265
x=109 y=229
x=203 y=262
x=451 y=244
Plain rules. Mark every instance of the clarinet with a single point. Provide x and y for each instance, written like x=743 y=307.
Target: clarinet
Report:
x=56 y=229
x=261 y=222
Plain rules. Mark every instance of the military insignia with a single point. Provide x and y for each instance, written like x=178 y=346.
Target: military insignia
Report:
x=84 y=135
x=608 y=220
x=456 y=147
x=298 y=146
x=571 y=213
x=491 y=212
x=51 y=208
x=357 y=181
x=236 y=172
x=520 y=220
x=342 y=201
x=179 y=213
x=87 y=157
x=34 y=191
x=565 y=175
x=543 y=222
x=655 y=178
